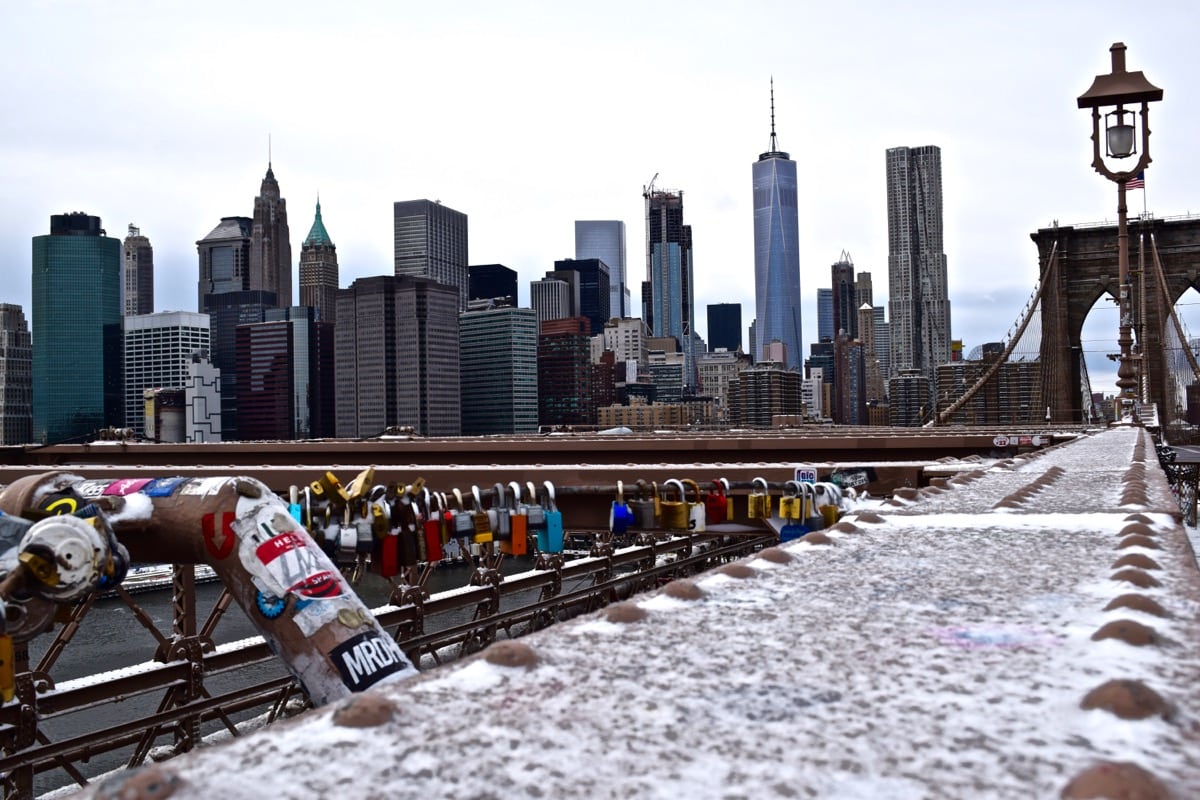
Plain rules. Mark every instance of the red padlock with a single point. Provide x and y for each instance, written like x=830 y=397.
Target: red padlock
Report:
x=718 y=505
x=432 y=529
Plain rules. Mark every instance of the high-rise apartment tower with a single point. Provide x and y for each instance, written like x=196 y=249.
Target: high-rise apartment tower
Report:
x=918 y=302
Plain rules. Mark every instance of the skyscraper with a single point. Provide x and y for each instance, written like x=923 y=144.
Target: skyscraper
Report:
x=825 y=328
x=777 y=251
x=491 y=282
x=845 y=306
x=158 y=352
x=270 y=243
x=499 y=371
x=397 y=344
x=225 y=294
x=76 y=321
x=319 y=270
x=918 y=302
x=555 y=296
x=16 y=376
x=725 y=327
x=605 y=240
x=594 y=291
x=669 y=305
x=138 y=280
x=430 y=241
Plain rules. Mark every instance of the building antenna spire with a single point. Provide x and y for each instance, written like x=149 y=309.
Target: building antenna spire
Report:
x=774 y=141
x=269 y=135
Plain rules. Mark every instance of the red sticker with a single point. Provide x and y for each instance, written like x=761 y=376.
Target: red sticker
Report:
x=126 y=486
x=298 y=567
x=219 y=540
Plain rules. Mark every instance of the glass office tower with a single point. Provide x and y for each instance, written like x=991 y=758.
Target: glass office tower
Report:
x=77 y=377
x=776 y=252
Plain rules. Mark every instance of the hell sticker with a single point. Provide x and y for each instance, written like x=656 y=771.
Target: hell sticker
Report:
x=297 y=567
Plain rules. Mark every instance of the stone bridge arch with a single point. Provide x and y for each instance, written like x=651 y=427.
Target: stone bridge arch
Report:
x=1084 y=271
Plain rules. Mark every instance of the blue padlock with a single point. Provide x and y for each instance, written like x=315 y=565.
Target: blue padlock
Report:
x=621 y=515
x=550 y=538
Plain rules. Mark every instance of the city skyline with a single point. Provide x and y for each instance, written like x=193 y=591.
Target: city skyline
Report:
x=171 y=163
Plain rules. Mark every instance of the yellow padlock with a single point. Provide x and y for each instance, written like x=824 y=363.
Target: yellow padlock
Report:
x=8 y=673
x=758 y=504
x=673 y=513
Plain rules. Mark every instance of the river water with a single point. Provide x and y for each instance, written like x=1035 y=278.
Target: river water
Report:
x=111 y=637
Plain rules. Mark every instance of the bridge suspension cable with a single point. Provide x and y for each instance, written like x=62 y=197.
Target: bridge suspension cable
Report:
x=1031 y=312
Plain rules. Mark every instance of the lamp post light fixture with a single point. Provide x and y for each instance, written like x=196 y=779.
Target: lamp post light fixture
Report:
x=1115 y=91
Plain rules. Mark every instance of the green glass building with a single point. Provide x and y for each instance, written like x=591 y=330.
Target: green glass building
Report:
x=77 y=376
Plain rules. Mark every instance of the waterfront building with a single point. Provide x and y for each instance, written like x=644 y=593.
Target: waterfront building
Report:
x=1013 y=396
x=644 y=416
x=593 y=288
x=158 y=351
x=918 y=302
x=668 y=304
x=605 y=239
x=565 y=373
x=910 y=396
x=138 y=278
x=77 y=379
x=498 y=370
x=492 y=282
x=270 y=243
x=16 y=376
x=397 y=347
x=763 y=392
x=430 y=241
x=777 y=251
x=319 y=270
x=725 y=327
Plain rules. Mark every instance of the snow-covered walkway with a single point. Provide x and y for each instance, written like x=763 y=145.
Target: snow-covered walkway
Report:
x=939 y=647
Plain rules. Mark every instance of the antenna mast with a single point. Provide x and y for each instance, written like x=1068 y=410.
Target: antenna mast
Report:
x=774 y=141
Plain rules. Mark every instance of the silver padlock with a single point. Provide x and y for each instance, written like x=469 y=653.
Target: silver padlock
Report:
x=499 y=514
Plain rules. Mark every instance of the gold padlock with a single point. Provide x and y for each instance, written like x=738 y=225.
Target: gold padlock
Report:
x=758 y=504
x=674 y=513
x=483 y=526
x=790 y=504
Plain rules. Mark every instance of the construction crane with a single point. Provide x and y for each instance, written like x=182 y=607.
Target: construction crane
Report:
x=649 y=189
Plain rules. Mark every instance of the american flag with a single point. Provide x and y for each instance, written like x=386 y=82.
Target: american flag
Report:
x=1137 y=181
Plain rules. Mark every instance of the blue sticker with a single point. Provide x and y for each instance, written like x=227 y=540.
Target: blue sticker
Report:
x=162 y=487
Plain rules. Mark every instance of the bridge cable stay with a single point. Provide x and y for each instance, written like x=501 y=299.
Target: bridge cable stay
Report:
x=1013 y=341
x=1178 y=327
x=1176 y=336
x=1090 y=412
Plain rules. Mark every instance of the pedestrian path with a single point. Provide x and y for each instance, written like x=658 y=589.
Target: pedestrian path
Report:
x=940 y=646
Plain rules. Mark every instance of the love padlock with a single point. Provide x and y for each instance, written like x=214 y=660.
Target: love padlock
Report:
x=695 y=507
x=518 y=541
x=550 y=539
x=644 y=507
x=758 y=503
x=484 y=532
x=621 y=515
x=718 y=504
x=673 y=513
x=431 y=529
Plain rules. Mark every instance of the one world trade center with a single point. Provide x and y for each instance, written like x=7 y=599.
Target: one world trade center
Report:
x=776 y=253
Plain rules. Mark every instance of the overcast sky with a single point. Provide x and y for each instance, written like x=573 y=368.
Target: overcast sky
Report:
x=528 y=116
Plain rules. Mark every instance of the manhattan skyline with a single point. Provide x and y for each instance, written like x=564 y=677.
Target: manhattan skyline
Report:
x=536 y=119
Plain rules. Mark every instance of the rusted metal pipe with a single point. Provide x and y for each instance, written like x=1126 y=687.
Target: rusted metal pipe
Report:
x=288 y=587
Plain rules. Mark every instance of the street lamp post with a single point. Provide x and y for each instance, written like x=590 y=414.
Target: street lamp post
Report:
x=1116 y=90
